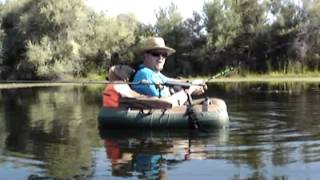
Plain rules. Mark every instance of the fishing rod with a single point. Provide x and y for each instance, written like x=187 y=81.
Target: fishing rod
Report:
x=226 y=71
x=187 y=84
x=182 y=84
x=143 y=82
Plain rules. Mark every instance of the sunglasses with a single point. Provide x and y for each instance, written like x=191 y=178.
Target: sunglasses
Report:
x=158 y=54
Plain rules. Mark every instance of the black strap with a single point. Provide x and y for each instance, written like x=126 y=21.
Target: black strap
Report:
x=133 y=74
x=192 y=118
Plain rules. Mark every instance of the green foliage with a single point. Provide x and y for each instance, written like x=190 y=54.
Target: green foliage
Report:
x=263 y=35
x=168 y=19
x=169 y=26
x=311 y=34
x=223 y=24
x=53 y=39
x=39 y=55
x=110 y=42
x=64 y=38
x=2 y=37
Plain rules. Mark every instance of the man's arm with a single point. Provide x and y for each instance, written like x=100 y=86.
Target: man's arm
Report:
x=146 y=89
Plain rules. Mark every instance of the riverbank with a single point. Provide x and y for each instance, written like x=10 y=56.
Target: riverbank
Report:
x=261 y=78
x=271 y=77
x=27 y=85
x=267 y=79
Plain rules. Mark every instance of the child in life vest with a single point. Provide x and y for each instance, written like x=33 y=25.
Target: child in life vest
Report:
x=118 y=74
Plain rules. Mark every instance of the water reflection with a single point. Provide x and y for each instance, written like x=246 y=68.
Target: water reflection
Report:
x=272 y=125
x=49 y=129
x=52 y=133
x=150 y=154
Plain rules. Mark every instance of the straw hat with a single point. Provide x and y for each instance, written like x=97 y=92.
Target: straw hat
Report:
x=153 y=43
x=120 y=73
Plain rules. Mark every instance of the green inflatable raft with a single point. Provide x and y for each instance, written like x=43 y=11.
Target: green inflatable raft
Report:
x=154 y=114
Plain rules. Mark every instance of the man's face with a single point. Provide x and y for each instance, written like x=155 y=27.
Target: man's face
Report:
x=155 y=59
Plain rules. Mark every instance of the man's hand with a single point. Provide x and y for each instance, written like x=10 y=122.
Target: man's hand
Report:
x=198 y=86
x=196 y=90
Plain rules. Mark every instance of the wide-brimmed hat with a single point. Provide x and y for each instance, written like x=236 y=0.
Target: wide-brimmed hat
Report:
x=120 y=73
x=154 y=43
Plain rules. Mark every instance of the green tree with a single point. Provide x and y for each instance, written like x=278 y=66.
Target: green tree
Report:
x=111 y=40
x=59 y=39
x=168 y=19
x=310 y=35
x=223 y=26
x=2 y=65
x=222 y=22
x=192 y=40
x=250 y=45
x=29 y=24
x=169 y=25
x=285 y=36
x=263 y=35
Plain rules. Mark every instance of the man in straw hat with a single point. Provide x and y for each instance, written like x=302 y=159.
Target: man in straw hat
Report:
x=155 y=52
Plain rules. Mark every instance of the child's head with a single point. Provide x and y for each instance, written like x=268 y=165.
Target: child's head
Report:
x=120 y=73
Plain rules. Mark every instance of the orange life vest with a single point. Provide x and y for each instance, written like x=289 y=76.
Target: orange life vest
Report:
x=110 y=96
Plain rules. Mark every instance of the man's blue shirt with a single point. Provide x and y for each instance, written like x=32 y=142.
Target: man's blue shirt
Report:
x=145 y=73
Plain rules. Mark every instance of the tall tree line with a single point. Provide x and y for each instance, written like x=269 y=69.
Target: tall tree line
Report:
x=60 y=39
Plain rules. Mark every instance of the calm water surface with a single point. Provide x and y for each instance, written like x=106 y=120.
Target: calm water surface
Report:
x=51 y=133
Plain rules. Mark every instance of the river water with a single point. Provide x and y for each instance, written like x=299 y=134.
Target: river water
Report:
x=51 y=133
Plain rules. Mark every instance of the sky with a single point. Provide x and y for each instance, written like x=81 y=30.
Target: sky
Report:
x=144 y=10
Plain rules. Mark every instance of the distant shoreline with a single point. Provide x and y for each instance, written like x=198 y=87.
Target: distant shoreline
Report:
x=26 y=84
x=268 y=79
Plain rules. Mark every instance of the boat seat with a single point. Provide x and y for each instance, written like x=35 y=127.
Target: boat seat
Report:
x=144 y=103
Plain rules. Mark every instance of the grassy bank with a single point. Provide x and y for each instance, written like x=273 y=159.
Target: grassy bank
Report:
x=267 y=79
x=272 y=77
x=26 y=85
